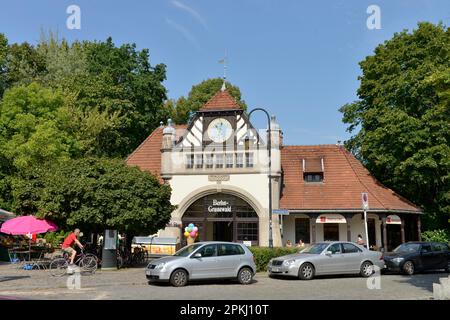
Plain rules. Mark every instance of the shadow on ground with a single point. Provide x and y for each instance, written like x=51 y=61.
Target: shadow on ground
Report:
x=424 y=279
x=203 y=283
x=12 y=278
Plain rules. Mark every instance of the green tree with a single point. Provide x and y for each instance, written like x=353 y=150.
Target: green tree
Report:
x=403 y=117
x=30 y=127
x=198 y=96
x=95 y=194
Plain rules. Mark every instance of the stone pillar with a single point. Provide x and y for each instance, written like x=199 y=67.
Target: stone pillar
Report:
x=402 y=229
x=419 y=227
x=383 y=222
x=312 y=219
x=348 y=218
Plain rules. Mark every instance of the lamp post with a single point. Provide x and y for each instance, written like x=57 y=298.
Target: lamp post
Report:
x=269 y=147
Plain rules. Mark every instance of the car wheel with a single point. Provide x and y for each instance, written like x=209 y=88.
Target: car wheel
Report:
x=306 y=271
x=366 y=269
x=245 y=276
x=179 y=278
x=408 y=268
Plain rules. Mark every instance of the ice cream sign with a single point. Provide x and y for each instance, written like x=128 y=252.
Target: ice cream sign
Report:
x=219 y=206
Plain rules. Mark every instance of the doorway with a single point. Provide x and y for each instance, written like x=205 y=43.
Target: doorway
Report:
x=331 y=232
x=223 y=231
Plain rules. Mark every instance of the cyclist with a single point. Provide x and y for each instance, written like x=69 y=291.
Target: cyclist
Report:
x=68 y=243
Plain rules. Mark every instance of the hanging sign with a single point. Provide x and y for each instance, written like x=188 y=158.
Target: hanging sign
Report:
x=393 y=219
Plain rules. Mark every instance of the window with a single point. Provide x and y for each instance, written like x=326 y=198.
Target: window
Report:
x=229 y=160
x=209 y=161
x=426 y=248
x=239 y=160
x=209 y=250
x=335 y=248
x=313 y=177
x=199 y=161
x=439 y=247
x=189 y=161
x=247 y=231
x=302 y=230
x=219 y=161
x=350 y=248
x=249 y=160
x=230 y=250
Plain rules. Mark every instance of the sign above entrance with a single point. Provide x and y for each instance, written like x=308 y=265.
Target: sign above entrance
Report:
x=281 y=212
x=393 y=219
x=219 y=177
x=330 y=218
x=219 y=206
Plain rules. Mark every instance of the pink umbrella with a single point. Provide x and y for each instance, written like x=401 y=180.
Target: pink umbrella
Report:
x=27 y=225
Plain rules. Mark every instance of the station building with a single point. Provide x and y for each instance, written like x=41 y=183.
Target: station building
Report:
x=218 y=169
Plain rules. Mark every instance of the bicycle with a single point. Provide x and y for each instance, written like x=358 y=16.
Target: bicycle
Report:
x=86 y=261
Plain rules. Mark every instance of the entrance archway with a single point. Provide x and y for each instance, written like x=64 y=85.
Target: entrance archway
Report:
x=223 y=217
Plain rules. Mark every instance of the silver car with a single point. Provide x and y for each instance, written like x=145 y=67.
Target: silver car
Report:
x=327 y=258
x=204 y=260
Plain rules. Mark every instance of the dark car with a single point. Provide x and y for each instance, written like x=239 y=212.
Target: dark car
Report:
x=412 y=257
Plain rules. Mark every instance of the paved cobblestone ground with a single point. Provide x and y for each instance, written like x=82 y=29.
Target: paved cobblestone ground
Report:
x=131 y=284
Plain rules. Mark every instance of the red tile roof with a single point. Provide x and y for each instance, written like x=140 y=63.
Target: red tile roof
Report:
x=148 y=155
x=222 y=100
x=345 y=178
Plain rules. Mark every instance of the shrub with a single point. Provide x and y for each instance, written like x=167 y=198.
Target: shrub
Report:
x=436 y=235
x=264 y=254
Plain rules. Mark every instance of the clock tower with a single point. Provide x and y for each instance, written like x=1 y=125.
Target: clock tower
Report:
x=218 y=158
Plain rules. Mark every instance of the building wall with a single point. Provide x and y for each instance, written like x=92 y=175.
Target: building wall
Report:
x=357 y=227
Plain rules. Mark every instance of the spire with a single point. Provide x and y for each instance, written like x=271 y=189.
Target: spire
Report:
x=224 y=62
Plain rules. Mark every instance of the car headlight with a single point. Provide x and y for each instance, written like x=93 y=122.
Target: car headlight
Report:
x=160 y=266
x=288 y=263
x=398 y=260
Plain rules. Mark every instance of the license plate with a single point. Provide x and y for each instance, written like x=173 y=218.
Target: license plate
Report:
x=276 y=269
x=148 y=273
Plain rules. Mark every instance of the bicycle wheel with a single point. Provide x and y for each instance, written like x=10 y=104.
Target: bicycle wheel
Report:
x=89 y=263
x=58 y=267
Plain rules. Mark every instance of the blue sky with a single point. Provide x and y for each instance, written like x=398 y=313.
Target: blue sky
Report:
x=298 y=59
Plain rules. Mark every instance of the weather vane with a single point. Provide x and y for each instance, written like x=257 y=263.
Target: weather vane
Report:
x=224 y=62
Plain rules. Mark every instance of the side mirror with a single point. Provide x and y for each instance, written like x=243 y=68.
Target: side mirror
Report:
x=329 y=253
x=197 y=255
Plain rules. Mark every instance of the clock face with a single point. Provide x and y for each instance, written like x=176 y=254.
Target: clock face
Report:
x=219 y=130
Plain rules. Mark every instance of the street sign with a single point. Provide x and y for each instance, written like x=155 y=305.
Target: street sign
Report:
x=281 y=212
x=365 y=200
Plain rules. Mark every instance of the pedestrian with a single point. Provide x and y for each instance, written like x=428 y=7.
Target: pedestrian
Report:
x=288 y=244
x=360 y=240
x=301 y=244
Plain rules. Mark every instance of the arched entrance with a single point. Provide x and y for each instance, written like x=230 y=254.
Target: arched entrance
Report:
x=223 y=217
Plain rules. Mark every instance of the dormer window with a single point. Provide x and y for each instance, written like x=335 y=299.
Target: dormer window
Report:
x=313 y=169
x=313 y=177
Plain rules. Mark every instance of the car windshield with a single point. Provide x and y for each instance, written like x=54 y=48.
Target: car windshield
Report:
x=315 y=248
x=407 y=248
x=187 y=250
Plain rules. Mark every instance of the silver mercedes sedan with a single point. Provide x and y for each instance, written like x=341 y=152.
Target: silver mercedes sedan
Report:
x=204 y=260
x=327 y=258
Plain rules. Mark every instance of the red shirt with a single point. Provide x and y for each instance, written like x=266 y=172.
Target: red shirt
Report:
x=69 y=241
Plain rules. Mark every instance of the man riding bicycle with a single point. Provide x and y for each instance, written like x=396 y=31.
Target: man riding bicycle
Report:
x=68 y=243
